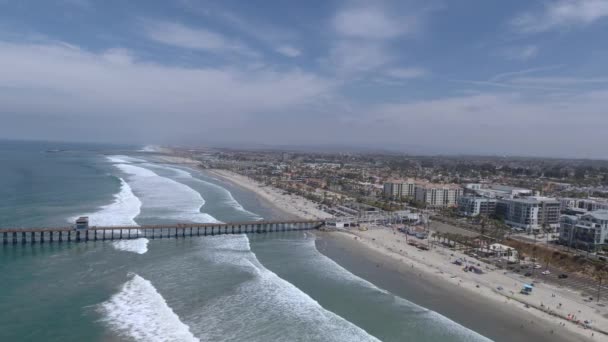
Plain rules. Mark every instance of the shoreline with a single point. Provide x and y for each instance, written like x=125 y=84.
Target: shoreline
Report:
x=388 y=249
x=293 y=205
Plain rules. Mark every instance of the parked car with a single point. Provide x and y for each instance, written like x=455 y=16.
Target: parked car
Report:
x=545 y=272
x=528 y=274
x=562 y=276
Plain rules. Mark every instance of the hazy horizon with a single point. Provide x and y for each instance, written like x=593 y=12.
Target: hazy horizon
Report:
x=517 y=78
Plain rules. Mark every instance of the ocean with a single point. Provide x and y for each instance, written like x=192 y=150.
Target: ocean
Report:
x=264 y=287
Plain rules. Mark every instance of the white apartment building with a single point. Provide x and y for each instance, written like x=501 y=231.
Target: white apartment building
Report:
x=471 y=206
x=530 y=213
x=400 y=188
x=588 y=231
x=438 y=195
x=589 y=204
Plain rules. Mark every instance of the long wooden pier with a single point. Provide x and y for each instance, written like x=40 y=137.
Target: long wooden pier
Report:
x=22 y=236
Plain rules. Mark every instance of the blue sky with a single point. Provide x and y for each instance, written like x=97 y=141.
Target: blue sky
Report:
x=491 y=77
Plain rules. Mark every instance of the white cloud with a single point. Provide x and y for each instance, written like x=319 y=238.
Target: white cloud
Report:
x=560 y=81
x=66 y=83
x=372 y=23
x=520 y=53
x=406 y=73
x=510 y=74
x=496 y=122
x=561 y=14
x=288 y=51
x=176 y=34
x=350 y=56
x=118 y=56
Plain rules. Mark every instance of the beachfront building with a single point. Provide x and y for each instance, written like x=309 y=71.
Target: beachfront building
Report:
x=472 y=206
x=498 y=250
x=587 y=204
x=588 y=231
x=529 y=213
x=497 y=191
x=400 y=189
x=438 y=195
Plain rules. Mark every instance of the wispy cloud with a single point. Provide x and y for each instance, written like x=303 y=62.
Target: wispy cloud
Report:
x=87 y=88
x=561 y=14
x=279 y=39
x=406 y=73
x=560 y=81
x=505 y=75
x=520 y=53
x=182 y=36
x=288 y=51
x=348 y=56
x=363 y=35
x=372 y=23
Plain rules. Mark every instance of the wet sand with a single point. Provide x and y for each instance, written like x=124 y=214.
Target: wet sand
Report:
x=491 y=319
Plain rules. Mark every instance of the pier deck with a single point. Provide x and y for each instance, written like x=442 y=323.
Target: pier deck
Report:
x=21 y=236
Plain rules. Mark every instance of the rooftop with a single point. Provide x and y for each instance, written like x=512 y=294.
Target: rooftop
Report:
x=599 y=214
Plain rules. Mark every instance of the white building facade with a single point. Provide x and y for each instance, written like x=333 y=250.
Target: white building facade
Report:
x=472 y=206
x=438 y=195
x=588 y=231
x=530 y=213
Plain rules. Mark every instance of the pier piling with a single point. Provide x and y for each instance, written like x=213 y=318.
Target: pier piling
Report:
x=41 y=235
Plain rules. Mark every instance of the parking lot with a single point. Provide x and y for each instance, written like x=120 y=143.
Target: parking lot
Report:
x=580 y=285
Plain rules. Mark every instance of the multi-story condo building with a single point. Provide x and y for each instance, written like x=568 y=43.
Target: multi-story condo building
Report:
x=588 y=231
x=471 y=206
x=400 y=188
x=497 y=191
x=438 y=195
x=589 y=204
x=530 y=213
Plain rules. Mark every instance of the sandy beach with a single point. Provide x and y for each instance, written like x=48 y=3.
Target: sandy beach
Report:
x=543 y=312
x=293 y=204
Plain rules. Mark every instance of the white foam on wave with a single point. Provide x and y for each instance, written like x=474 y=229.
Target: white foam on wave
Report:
x=121 y=212
x=124 y=159
x=165 y=198
x=140 y=313
x=290 y=313
x=139 y=246
x=228 y=198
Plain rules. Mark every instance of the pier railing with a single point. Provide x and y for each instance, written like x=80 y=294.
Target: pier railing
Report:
x=21 y=236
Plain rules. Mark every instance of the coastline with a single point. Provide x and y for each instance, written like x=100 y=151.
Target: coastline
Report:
x=456 y=292
x=293 y=205
x=448 y=290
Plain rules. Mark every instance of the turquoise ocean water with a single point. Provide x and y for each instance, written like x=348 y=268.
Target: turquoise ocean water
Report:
x=271 y=287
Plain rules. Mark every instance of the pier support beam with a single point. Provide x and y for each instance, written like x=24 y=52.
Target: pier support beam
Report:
x=4 y=238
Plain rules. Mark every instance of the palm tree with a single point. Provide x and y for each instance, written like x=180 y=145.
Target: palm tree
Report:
x=600 y=273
